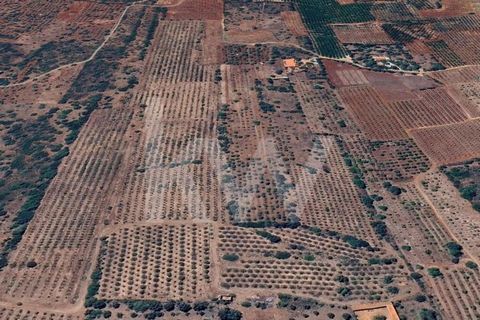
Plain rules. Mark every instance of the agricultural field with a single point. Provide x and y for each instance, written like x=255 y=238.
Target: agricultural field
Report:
x=252 y=22
x=236 y=159
x=388 y=160
x=368 y=33
x=459 y=141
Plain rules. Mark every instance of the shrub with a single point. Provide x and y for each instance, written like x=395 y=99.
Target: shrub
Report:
x=476 y=206
x=230 y=257
x=266 y=107
x=282 y=255
x=144 y=305
x=31 y=264
x=229 y=314
x=380 y=228
x=416 y=276
x=267 y=235
x=420 y=298
x=367 y=202
x=454 y=249
x=184 y=307
x=379 y=261
x=355 y=242
x=468 y=192
x=388 y=279
x=342 y=279
x=246 y=304
x=169 y=305
x=458 y=173
x=284 y=297
x=427 y=314
x=434 y=272
x=344 y=291
x=99 y=304
x=393 y=290
x=200 y=306
x=359 y=182
x=471 y=265
x=395 y=190
x=232 y=208
x=92 y=314
x=309 y=257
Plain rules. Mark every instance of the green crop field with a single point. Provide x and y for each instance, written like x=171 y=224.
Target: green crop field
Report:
x=319 y=14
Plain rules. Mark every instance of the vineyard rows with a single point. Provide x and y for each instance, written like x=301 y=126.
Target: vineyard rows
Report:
x=449 y=143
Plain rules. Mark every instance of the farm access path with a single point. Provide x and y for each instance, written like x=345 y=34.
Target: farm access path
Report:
x=283 y=44
x=97 y=50
x=349 y=61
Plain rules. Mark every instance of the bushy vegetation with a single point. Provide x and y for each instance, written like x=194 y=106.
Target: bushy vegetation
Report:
x=380 y=228
x=222 y=132
x=29 y=174
x=264 y=106
x=355 y=242
x=434 y=272
x=267 y=235
x=282 y=255
x=396 y=191
x=292 y=224
x=53 y=54
x=455 y=250
x=230 y=257
x=91 y=302
x=427 y=314
x=229 y=314
x=97 y=75
x=465 y=178
x=151 y=30
x=75 y=125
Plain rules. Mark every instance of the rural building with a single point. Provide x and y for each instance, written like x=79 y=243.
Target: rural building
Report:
x=289 y=64
x=370 y=311
x=380 y=58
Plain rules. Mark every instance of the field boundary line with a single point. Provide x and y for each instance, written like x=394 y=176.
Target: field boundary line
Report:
x=409 y=130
